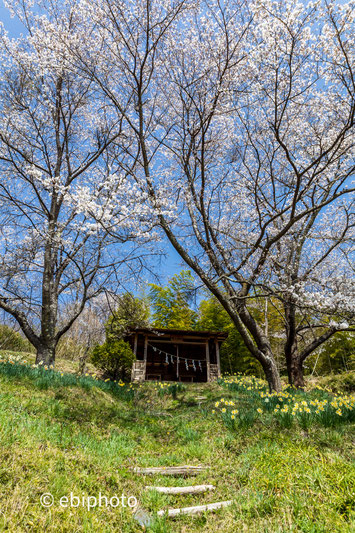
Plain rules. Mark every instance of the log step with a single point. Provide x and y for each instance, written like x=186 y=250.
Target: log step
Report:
x=195 y=489
x=195 y=510
x=143 y=518
x=185 y=470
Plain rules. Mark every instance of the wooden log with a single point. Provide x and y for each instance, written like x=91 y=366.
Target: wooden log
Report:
x=185 y=470
x=200 y=400
x=196 y=489
x=195 y=510
x=143 y=518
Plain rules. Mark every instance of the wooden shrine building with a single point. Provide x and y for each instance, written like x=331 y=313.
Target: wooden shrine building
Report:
x=176 y=355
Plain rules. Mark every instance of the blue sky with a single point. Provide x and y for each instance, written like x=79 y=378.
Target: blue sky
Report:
x=12 y=25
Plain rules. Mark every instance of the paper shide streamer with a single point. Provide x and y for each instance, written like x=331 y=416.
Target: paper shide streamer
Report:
x=186 y=359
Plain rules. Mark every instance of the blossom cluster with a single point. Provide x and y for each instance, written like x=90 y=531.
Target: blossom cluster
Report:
x=245 y=382
x=224 y=405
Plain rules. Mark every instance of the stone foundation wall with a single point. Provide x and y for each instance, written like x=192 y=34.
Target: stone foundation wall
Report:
x=138 y=371
x=213 y=373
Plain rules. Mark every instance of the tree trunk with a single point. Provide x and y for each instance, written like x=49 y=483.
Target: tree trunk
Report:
x=82 y=364
x=296 y=372
x=45 y=355
x=260 y=348
x=272 y=374
x=293 y=360
x=295 y=369
x=48 y=343
x=83 y=360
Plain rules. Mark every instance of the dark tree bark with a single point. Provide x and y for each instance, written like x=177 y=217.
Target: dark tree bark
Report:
x=296 y=372
x=293 y=361
x=294 y=355
x=46 y=355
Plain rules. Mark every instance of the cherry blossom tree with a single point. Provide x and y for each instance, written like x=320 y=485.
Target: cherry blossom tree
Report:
x=55 y=157
x=238 y=122
x=243 y=119
x=274 y=217
x=311 y=279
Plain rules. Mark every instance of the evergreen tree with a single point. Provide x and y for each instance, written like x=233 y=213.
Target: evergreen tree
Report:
x=171 y=304
x=131 y=312
x=234 y=354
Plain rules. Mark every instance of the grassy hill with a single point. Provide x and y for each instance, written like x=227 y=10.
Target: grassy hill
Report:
x=287 y=471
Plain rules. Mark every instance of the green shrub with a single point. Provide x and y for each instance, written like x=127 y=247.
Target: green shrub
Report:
x=344 y=382
x=115 y=358
x=13 y=340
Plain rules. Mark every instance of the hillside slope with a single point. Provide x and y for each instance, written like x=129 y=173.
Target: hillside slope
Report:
x=62 y=435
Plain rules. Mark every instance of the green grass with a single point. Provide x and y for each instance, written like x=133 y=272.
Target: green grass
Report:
x=343 y=382
x=62 y=364
x=63 y=434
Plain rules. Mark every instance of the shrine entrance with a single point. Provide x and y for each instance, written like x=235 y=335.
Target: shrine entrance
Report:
x=176 y=355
